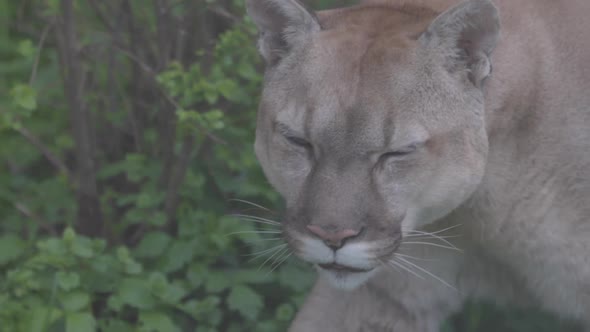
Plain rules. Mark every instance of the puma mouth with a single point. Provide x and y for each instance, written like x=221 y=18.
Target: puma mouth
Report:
x=341 y=268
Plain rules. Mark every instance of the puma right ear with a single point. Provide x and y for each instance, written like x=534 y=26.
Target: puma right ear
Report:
x=282 y=24
x=466 y=35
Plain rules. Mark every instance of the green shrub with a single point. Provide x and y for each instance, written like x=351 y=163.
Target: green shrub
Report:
x=77 y=284
x=172 y=135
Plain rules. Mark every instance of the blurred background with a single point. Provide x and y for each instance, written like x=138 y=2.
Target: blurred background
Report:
x=130 y=198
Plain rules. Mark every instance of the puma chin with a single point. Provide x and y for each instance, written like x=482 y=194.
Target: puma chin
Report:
x=346 y=268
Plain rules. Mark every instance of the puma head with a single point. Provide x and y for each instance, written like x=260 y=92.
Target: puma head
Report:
x=371 y=123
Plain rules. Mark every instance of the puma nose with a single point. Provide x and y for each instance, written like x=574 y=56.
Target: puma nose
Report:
x=333 y=238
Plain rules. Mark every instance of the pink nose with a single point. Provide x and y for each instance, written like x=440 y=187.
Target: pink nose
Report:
x=334 y=239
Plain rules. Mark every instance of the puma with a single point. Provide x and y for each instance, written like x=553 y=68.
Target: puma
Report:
x=430 y=152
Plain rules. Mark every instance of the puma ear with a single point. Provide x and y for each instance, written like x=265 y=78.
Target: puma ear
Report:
x=466 y=34
x=282 y=24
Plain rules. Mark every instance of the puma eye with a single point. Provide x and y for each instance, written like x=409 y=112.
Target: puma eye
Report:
x=293 y=137
x=400 y=153
x=299 y=142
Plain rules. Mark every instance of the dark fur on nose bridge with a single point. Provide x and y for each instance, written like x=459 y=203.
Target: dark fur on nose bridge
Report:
x=332 y=236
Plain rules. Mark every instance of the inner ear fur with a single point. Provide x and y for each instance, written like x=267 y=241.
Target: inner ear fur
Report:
x=282 y=24
x=466 y=36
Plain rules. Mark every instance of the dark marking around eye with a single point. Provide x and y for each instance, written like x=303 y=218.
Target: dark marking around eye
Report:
x=284 y=130
x=298 y=141
x=292 y=136
x=400 y=153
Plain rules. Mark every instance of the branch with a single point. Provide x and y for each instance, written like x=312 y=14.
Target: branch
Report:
x=22 y=208
x=177 y=177
x=39 y=48
x=90 y=220
x=169 y=99
x=47 y=153
x=225 y=14
x=101 y=15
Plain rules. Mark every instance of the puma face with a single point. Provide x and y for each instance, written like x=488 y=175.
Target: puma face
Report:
x=366 y=131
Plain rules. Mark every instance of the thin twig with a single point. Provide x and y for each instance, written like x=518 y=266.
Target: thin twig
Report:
x=39 y=49
x=22 y=208
x=49 y=155
x=90 y=219
x=225 y=14
x=168 y=98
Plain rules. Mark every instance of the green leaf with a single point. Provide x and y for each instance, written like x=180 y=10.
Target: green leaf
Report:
x=294 y=277
x=69 y=235
x=178 y=255
x=111 y=170
x=98 y=245
x=217 y=281
x=24 y=96
x=269 y=326
x=68 y=280
x=39 y=318
x=123 y=254
x=246 y=301
x=82 y=247
x=53 y=7
x=104 y=264
x=196 y=275
x=174 y=293
x=157 y=283
x=64 y=141
x=211 y=96
x=285 y=312
x=80 y=322
x=75 y=301
x=158 y=219
x=135 y=293
x=156 y=322
x=253 y=276
x=148 y=199
x=11 y=248
x=133 y=267
x=115 y=303
x=204 y=308
x=53 y=246
x=26 y=48
x=115 y=325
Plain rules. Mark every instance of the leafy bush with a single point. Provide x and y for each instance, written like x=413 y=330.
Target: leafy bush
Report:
x=78 y=284
x=170 y=137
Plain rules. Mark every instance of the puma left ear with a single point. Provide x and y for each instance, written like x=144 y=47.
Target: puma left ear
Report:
x=466 y=35
x=282 y=24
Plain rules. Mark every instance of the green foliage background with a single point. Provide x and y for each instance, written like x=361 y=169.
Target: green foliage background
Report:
x=127 y=224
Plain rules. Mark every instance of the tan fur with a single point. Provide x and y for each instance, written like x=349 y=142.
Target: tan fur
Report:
x=505 y=161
